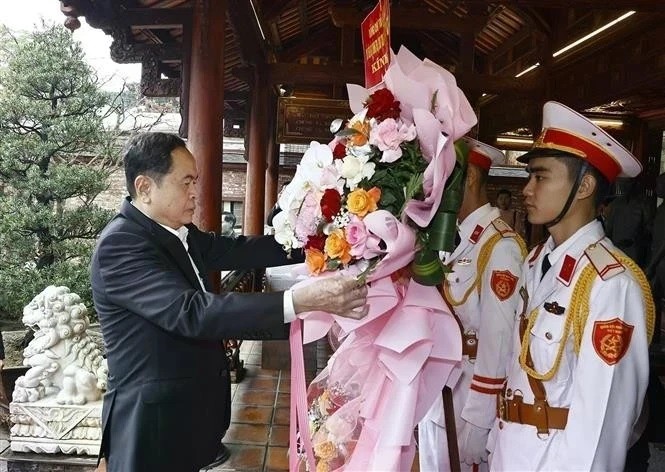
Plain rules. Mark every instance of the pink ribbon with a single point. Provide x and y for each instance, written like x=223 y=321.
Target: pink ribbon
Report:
x=402 y=353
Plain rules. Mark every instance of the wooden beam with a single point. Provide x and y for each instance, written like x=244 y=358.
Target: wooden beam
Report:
x=282 y=72
x=315 y=41
x=241 y=18
x=412 y=18
x=336 y=74
x=206 y=109
x=347 y=45
x=155 y=18
x=274 y=36
x=126 y=53
x=272 y=10
x=637 y=5
x=499 y=84
x=302 y=14
x=236 y=96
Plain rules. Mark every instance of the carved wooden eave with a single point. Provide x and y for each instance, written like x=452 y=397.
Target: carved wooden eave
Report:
x=313 y=47
x=161 y=61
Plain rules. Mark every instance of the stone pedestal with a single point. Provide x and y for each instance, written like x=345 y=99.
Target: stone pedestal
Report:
x=45 y=426
x=11 y=461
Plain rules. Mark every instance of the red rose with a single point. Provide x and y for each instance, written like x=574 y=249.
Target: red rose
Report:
x=339 y=152
x=316 y=241
x=382 y=104
x=331 y=202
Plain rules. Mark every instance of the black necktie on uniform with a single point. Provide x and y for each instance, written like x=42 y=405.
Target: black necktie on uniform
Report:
x=546 y=266
x=458 y=239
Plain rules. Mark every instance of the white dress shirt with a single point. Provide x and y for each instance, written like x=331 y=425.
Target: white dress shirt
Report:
x=182 y=232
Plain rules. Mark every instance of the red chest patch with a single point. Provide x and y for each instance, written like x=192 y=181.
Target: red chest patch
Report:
x=477 y=231
x=611 y=339
x=503 y=284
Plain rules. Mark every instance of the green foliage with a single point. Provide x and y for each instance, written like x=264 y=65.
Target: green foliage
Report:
x=390 y=178
x=55 y=158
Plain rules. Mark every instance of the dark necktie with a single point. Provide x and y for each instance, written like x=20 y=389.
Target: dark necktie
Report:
x=546 y=266
x=458 y=239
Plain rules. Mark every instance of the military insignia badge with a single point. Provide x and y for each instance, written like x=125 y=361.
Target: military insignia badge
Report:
x=554 y=308
x=503 y=284
x=611 y=339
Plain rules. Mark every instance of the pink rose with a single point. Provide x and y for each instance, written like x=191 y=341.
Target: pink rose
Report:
x=388 y=135
x=356 y=235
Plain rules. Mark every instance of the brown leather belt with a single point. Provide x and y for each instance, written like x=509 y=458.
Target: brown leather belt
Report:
x=470 y=345
x=538 y=414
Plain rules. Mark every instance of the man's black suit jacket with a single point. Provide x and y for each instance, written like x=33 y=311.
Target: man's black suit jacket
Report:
x=168 y=399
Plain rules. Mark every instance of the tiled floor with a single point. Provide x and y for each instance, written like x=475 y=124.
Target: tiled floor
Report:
x=259 y=433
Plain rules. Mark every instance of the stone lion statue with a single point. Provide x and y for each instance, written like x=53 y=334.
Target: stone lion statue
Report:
x=64 y=360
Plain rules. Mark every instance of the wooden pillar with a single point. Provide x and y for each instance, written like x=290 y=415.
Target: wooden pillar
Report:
x=272 y=158
x=256 y=165
x=206 y=108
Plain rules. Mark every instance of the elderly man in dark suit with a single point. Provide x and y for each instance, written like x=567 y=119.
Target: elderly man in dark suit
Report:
x=168 y=400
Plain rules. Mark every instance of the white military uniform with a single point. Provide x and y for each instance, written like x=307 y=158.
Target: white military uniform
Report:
x=489 y=313
x=585 y=342
x=603 y=386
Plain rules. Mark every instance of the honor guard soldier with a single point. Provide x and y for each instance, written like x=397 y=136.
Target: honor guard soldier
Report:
x=481 y=291
x=580 y=365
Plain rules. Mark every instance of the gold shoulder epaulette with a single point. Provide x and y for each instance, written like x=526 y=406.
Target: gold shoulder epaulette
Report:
x=503 y=228
x=604 y=261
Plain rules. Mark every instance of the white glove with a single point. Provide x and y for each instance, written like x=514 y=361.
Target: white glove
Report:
x=473 y=444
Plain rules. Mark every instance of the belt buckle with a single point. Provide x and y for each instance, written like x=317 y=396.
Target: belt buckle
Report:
x=471 y=341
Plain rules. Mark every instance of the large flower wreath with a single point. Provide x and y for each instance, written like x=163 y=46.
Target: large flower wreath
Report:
x=379 y=201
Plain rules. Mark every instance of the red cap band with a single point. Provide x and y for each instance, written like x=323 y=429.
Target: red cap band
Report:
x=552 y=138
x=480 y=160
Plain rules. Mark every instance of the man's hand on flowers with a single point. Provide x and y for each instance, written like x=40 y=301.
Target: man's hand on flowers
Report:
x=473 y=444
x=339 y=295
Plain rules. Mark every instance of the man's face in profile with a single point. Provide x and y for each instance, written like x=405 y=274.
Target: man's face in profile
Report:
x=172 y=201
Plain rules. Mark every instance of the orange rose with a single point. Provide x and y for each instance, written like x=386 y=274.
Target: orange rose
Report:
x=322 y=466
x=375 y=194
x=360 y=138
x=325 y=450
x=361 y=201
x=337 y=247
x=315 y=260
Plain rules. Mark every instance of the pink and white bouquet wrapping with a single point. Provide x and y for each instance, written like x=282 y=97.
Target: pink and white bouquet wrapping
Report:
x=369 y=198
x=394 y=154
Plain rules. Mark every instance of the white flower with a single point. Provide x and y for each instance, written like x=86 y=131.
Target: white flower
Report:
x=354 y=169
x=284 y=224
x=314 y=165
x=292 y=195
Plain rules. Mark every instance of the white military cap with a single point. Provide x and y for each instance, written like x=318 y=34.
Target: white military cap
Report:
x=483 y=155
x=567 y=131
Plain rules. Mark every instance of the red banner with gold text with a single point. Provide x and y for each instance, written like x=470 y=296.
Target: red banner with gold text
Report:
x=375 y=30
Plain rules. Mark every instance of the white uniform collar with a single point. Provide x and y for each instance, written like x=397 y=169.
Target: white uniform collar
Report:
x=564 y=260
x=472 y=228
x=480 y=217
x=592 y=232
